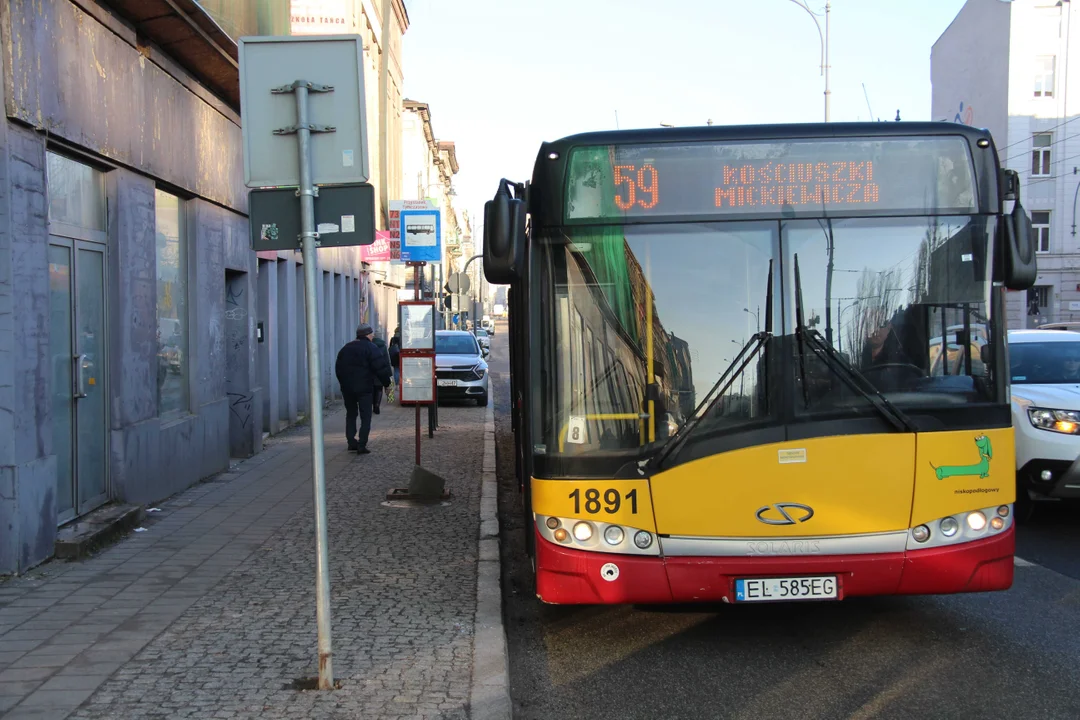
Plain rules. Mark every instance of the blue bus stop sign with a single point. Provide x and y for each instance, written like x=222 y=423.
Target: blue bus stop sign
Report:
x=421 y=236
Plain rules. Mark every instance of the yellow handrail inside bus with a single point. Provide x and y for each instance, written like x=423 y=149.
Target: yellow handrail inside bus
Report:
x=598 y=416
x=649 y=377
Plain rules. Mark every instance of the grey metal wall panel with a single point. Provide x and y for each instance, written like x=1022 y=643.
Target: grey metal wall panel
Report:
x=206 y=296
x=73 y=76
x=288 y=337
x=136 y=461
x=267 y=349
x=212 y=439
x=7 y=327
x=35 y=489
x=239 y=365
x=30 y=279
x=9 y=521
x=132 y=299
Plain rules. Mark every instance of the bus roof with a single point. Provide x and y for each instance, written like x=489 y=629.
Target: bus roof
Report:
x=777 y=131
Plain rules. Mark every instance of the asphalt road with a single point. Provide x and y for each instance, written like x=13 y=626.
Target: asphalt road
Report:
x=1014 y=654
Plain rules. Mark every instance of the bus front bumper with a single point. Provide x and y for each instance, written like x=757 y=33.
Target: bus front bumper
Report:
x=574 y=577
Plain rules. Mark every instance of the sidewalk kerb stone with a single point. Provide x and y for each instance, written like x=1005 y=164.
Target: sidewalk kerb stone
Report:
x=489 y=696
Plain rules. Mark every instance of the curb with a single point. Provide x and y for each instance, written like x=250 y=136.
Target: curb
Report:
x=489 y=696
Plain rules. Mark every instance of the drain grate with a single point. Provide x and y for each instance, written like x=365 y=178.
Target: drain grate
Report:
x=302 y=684
x=414 y=503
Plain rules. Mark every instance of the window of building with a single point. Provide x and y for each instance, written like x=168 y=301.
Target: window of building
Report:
x=172 y=320
x=76 y=193
x=1040 y=154
x=1044 y=76
x=1040 y=223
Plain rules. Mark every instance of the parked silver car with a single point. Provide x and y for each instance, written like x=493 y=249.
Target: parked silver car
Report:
x=461 y=372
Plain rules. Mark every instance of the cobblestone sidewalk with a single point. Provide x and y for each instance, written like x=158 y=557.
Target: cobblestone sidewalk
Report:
x=210 y=612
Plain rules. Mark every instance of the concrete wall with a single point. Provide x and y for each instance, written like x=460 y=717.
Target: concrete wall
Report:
x=145 y=123
x=27 y=466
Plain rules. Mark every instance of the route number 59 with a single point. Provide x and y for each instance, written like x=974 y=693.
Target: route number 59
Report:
x=612 y=501
x=644 y=181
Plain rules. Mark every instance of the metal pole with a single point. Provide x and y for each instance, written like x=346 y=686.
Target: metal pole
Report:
x=416 y=296
x=827 y=93
x=318 y=469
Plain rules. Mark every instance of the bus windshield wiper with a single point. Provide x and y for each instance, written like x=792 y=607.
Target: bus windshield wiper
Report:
x=727 y=379
x=841 y=368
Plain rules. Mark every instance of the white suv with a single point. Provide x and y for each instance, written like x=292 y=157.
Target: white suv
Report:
x=1044 y=366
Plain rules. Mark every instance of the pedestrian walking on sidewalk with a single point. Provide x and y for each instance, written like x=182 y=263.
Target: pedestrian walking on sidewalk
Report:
x=395 y=355
x=360 y=365
x=377 y=389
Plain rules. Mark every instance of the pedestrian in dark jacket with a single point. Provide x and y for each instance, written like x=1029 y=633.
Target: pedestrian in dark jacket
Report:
x=395 y=354
x=360 y=365
x=377 y=389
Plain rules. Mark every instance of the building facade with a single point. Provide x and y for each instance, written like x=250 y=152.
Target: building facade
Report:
x=381 y=280
x=1005 y=67
x=142 y=342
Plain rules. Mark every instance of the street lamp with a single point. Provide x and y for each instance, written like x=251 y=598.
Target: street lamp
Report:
x=824 y=46
x=757 y=318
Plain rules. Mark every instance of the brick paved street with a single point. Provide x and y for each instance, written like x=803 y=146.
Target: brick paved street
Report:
x=211 y=611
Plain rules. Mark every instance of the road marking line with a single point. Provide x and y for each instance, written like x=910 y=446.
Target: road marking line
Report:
x=1021 y=562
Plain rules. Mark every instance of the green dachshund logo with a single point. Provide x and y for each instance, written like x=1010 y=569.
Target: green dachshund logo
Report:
x=981 y=468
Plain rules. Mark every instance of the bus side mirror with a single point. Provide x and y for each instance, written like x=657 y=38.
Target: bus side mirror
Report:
x=504 y=237
x=1017 y=261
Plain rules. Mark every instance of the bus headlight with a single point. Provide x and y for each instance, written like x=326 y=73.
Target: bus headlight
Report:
x=583 y=531
x=962 y=527
x=613 y=535
x=643 y=539
x=976 y=520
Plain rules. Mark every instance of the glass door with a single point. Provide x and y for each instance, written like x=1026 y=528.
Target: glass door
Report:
x=78 y=361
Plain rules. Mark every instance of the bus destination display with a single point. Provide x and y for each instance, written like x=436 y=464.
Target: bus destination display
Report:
x=758 y=178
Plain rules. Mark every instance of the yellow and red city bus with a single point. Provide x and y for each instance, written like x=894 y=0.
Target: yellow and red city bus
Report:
x=724 y=346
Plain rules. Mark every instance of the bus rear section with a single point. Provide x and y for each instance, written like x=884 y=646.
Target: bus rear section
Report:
x=730 y=367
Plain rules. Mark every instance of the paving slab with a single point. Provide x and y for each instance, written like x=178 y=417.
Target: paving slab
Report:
x=211 y=611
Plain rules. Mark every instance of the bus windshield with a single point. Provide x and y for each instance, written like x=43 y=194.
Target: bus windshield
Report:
x=640 y=321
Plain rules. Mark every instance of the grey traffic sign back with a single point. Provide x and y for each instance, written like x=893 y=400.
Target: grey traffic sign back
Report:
x=459 y=283
x=267 y=63
x=344 y=215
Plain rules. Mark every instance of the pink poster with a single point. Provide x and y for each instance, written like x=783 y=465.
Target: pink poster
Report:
x=378 y=251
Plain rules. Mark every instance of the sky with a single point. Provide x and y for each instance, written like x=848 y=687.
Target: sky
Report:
x=502 y=76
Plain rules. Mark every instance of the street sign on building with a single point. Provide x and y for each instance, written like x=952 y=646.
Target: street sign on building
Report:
x=337 y=117
x=344 y=215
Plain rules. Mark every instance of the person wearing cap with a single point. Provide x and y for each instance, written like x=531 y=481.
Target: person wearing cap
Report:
x=360 y=365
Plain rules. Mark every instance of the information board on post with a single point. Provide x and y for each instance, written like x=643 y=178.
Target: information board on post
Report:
x=416 y=318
